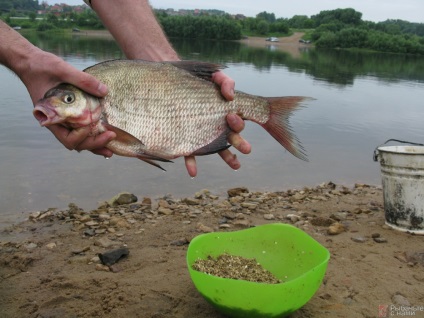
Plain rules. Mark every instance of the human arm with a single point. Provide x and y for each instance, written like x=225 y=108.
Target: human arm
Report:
x=141 y=37
x=40 y=71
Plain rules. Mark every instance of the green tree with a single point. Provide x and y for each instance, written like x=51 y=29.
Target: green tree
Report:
x=268 y=17
x=32 y=15
x=263 y=27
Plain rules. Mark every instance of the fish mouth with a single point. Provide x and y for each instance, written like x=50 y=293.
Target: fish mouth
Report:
x=46 y=116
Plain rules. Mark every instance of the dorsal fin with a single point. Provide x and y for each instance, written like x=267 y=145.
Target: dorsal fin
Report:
x=203 y=70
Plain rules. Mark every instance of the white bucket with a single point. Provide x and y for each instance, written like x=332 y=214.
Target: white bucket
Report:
x=402 y=171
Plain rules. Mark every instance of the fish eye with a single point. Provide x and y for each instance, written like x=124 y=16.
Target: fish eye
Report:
x=68 y=98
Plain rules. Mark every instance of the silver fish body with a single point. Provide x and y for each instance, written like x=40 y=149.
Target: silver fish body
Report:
x=162 y=111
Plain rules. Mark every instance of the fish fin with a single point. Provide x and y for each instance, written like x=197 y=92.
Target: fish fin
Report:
x=203 y=70
x=278 y=125
x=125 y=138
x=215 y=146
x=151 y=162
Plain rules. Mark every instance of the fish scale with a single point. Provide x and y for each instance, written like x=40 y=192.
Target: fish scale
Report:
x=162 y=111
x=168 y=107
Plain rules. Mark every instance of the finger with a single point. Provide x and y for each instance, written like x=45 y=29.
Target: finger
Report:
x=226 y=83
x=69 y=138
x=103 y=152
x=230 y=159
x=239 y=143
x=96 y=142
x=190 y=163
x=235 y=122
x=85 y=81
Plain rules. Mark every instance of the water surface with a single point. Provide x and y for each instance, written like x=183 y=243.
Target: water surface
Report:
x=361 y=100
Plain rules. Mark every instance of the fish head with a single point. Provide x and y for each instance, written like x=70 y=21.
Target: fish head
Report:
x=68 y=105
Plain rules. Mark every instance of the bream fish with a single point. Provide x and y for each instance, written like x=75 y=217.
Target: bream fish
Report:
x=164 y=110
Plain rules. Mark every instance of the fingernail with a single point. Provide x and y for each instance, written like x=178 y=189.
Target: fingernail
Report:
x=102 y=89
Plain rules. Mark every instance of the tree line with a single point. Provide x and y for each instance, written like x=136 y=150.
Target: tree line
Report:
x=344 y=28
x=340 y=28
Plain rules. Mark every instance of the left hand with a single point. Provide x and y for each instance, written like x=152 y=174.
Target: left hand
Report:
x=235 y=123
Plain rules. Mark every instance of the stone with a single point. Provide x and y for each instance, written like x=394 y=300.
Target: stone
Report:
x=92 y=223
x=179 y=242
x=336 y=229
x=190 y=201
x=80 y=250
x=164 y=211
x=51 y=246
x=380 y=240
x=122 y=198
x=400 y=300
x=104 y=242
x=203 y=228
x=241 y=222
x=320 y=221
x=293 y=217
x=111 y=257
x=415 y=257
x=359 y=239
x=31 y=246
x=104 y=268
x=269 y=216
x=249 y=205
x=237 y=191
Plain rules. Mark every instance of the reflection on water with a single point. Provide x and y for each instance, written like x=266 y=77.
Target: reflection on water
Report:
x=362 y=99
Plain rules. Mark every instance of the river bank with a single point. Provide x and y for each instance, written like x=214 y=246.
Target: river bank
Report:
x=49 y=265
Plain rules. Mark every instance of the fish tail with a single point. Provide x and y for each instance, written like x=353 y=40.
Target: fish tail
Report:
x=278 y=125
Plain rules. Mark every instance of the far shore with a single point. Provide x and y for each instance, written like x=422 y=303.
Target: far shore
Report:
x=288 y=44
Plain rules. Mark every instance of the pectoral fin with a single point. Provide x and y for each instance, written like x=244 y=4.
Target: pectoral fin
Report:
x=127 y=145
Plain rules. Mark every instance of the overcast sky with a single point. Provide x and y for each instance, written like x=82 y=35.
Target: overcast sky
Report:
x=373 y=10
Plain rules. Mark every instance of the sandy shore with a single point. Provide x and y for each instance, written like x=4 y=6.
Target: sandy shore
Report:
x=49 y=265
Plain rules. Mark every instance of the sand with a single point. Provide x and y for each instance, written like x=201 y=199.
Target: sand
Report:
x=49 y=265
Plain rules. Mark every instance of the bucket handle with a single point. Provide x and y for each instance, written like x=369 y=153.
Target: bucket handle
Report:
x=375 y=154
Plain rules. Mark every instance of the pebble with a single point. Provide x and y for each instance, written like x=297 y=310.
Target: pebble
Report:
x=269 y=216
x=336 y=229
x=31 y=246
x=293 y=217
x=51 y=246
x=164 y=211
x=179 y=242
x=122 y=198
x=237 y=191
x=359 y=239
x=101 y=267
x=320 y=221
x=380 y=240
x=400 y=300
x=249 y=205
x=104 y=242
x=203 y=228
x=241 y=223
x=80 y=250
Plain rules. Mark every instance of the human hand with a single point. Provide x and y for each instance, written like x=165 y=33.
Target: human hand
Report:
x=235 y=123
x=42 y=71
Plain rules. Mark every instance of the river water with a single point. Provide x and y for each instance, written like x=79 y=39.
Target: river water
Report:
x=361 y=100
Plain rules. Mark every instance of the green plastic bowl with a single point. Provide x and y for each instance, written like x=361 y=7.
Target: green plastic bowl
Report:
x=287 y=252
